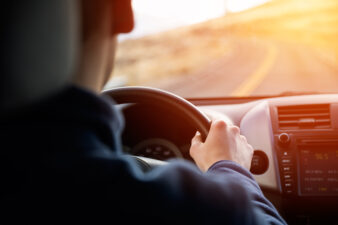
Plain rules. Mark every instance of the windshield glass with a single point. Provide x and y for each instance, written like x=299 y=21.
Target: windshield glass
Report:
x=222 y=48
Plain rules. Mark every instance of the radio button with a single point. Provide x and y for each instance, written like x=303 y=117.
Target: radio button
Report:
x=288 y=185
x=287 y=176
x=285 y=153
x=286 y=161
x=288 y=191
x=287 y=168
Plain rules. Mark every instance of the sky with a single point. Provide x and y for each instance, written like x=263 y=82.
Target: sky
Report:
x=170 y=14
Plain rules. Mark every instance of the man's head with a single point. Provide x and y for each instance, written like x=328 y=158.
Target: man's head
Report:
x=46 y=45
x=102 y=20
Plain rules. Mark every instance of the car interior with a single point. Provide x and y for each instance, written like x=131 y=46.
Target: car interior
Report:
x=294 y=134
x=294 y=137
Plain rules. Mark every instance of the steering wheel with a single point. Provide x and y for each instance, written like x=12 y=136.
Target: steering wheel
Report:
x=188 y=111
x=157 y=97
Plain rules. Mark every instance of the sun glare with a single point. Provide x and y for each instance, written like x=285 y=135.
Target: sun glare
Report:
x=184 y=11
x=153 y=16
x=281 y=39
x=240 y=5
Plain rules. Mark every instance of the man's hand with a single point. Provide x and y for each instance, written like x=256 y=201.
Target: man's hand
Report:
x=224 y=142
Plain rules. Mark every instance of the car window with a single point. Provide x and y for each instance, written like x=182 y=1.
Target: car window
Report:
x=222 y=48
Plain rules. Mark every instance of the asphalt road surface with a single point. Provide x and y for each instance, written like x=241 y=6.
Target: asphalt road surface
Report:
x=257 y=67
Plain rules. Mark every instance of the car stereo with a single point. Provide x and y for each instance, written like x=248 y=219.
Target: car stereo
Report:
x=318 y=170
x=309 y=166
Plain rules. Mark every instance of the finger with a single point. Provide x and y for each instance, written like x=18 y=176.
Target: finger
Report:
x=197 y=139
x=251 y=149
x=217 y=130
x=243 y=138
x=235 y=129
x=196 y=142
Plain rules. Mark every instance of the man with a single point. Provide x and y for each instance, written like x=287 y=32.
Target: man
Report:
x=60 y=158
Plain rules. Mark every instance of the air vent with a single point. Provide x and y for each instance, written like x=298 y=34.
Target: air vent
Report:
x=304 y=117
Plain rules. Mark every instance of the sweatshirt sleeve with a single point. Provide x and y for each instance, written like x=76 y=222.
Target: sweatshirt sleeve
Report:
x=263 y=209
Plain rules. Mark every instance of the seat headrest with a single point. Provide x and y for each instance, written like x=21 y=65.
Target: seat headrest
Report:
x=39 y=49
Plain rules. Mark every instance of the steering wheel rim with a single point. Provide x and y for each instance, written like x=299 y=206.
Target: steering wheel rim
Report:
x=154 y=96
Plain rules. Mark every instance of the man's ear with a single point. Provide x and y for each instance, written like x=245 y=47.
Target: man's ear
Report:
x=122 y=16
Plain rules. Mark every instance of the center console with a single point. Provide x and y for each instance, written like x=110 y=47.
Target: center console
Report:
x=308 y=163
x=306 y=143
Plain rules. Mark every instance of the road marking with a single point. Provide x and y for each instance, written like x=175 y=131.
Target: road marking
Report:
x=255 y=79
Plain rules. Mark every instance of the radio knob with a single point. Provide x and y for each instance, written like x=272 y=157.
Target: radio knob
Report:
x=284 y=139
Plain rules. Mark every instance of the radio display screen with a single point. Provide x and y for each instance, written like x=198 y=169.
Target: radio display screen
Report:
x=318 y=171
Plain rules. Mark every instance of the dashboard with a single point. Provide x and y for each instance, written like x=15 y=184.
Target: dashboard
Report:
x=155 y=132
x=296 y=138
x=299 y=136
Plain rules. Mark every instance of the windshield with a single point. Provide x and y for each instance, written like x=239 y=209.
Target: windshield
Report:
x=222 y=48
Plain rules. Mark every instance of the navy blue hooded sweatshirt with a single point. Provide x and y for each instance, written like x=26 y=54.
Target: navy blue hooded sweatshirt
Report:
x=61 y=162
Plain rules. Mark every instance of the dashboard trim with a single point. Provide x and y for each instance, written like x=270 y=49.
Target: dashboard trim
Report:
x=256 y=127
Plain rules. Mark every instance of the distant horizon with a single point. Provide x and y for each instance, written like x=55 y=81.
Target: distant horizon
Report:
x=172 y=14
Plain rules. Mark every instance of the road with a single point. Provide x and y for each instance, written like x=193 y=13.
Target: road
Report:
x=257 y=67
